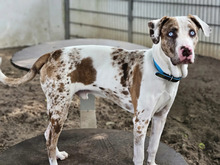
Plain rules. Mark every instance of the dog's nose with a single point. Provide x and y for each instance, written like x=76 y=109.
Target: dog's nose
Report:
x=186 y=51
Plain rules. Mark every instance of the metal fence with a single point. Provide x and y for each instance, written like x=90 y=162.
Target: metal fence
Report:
x=127 y=20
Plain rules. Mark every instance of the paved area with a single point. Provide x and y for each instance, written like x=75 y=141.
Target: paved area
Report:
x=86 y=147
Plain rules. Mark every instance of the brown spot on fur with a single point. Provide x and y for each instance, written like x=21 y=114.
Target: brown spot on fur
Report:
x=49 y=139
x=168 y=44
x=125 y=62
x=125 y=74
x=151 y=25
x=55 y=98
x=61 y=87
x=53 y=85
x=115 y=57
x=84 y=73
x=146 y=122
x=136 y=120
x=58 y=77
x=40 y=62
x=125 y=92
x=135 y=87
x=56 y=55
x=101 y=88
x=139 y=132
x=50 y=70
x=56 y=125
x=139 y=127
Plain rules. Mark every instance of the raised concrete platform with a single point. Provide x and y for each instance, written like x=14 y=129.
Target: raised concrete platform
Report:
x=25 y=58
x=86 y=147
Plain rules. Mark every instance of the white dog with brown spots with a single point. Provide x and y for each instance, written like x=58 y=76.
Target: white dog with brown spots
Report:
x=143 y=82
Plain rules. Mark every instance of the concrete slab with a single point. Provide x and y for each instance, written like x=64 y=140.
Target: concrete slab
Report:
x=25 y=58
x=88 y=119
x=86 y=147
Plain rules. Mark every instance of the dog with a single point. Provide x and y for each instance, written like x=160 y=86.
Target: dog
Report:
x=143 y=82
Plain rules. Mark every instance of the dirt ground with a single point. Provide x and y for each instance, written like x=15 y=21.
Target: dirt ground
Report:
x=192 y=128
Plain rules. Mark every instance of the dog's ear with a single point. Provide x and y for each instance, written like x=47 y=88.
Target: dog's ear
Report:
x=201 y=24
x=155 y=27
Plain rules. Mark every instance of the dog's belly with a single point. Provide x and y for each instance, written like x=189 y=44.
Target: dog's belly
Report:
x=122 y=99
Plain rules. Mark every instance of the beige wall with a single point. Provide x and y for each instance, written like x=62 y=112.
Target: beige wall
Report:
x=29 y=22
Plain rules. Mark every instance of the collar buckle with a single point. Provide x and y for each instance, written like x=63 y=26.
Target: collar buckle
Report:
x=171 y=78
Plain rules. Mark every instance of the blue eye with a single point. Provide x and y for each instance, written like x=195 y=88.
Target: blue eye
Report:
x=192 y=33
x=170 y=34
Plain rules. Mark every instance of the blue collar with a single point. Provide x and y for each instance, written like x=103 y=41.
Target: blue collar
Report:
x=165 y=76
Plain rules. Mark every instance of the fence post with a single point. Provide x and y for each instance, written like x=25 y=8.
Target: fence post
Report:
x=130 y=20
x=67 y=19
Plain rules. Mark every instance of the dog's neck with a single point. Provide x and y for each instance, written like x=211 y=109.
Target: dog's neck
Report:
x=165 y=63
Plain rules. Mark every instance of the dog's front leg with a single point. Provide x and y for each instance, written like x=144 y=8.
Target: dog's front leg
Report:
x=158 y=122
x=140 y=129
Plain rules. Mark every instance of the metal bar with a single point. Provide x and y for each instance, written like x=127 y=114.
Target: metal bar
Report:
x=152 y=18
x=176 y=3
x=130 y=20
x=97 y=12
x=210 y=43
x=67 y=19
x=96 y=26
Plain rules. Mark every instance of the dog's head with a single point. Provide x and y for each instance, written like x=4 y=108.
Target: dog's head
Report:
x=178 y=36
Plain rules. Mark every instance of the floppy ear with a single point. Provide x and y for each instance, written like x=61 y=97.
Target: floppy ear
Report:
x=155 y=28
x=201 y=24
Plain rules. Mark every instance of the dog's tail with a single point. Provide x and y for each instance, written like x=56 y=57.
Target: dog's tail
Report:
x=27 y=77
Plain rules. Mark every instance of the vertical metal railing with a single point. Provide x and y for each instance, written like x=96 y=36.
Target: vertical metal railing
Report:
x=130 y=20
x=67 y=18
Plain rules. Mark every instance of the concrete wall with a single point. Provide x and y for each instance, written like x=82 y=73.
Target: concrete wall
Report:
x=29 y=22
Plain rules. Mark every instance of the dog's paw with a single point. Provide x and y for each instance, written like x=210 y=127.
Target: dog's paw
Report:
x=62 y=155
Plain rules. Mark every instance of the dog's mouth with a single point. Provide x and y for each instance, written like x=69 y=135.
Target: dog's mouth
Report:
x=177 y=61
x=186 y=61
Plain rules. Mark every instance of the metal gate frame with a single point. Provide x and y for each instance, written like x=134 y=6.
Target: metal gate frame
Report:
x=129 y=17
x=214 y=42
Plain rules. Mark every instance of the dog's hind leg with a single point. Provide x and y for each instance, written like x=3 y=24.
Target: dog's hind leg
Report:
x=57 y=106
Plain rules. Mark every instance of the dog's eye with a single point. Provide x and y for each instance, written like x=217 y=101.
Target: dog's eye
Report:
x=192 y=33
x=171 y=34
